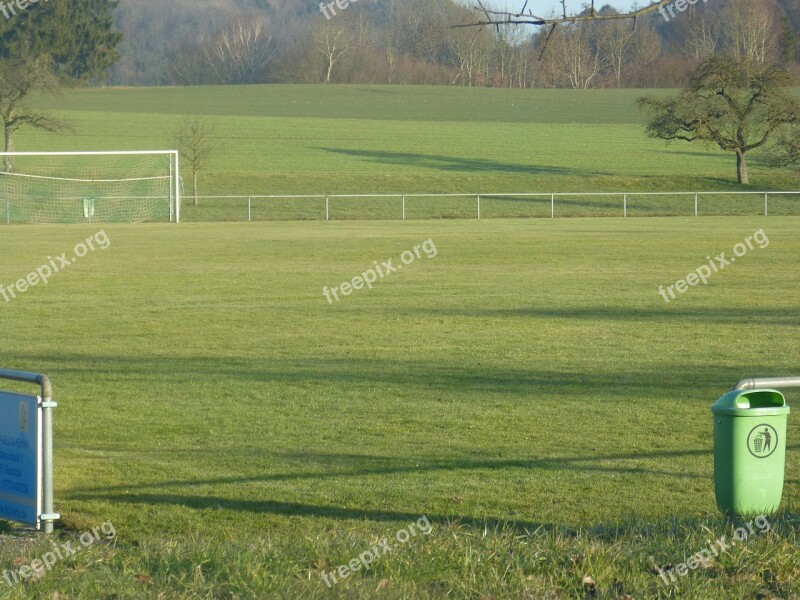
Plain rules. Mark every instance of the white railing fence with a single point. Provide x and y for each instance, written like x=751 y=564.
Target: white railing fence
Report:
x=490 y=205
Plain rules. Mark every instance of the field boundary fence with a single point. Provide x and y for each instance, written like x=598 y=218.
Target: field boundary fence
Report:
x=553 y=205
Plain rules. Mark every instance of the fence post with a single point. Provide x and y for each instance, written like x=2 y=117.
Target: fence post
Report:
x=249 y=209
x=479 y=206
x=327 y=208
x=766 y=204
x=696 y=213
x=552 y=206
x=404 y=208
x=625 y=204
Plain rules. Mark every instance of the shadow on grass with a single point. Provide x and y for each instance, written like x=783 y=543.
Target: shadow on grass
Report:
x=163 y=493
x=336 y=466
x=653 y=381
x=673 y=311
x=452 y=163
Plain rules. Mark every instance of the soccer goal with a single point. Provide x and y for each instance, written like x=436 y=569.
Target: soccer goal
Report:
x=90 y=187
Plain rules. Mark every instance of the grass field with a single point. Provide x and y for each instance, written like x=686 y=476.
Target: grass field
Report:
x=358 y=139
x=527 y=391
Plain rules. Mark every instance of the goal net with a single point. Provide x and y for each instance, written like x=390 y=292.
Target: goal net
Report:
x=89 y=187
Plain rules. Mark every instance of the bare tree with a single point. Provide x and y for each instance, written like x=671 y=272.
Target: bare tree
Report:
x=616 y=40
x=391 y=48
x=750 y=31
x=470 y=52
x=733 y=105
x=646 y=50
x=241 y=52
x=18 y=79
x=588 y=12
x=571 y=58
x=704 y=35
x=507 y=53
x=583 y=63
x=333 y=41
x=194 y=142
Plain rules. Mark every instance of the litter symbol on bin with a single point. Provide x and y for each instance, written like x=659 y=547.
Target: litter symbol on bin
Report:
x=762 y=441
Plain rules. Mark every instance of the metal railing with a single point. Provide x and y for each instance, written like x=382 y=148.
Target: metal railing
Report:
x=550 y=200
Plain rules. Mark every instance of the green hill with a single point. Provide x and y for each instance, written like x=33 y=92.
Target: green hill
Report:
x=305 y=139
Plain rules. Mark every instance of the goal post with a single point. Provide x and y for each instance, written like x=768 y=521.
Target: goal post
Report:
x=83 y=187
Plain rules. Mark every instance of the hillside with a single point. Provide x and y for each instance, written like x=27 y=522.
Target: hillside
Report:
x=195 y=42
x=311 y=139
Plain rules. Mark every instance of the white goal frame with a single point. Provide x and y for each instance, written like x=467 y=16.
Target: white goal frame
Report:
x=174 y=170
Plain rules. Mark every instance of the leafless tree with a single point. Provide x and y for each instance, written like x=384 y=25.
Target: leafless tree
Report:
x=750 y=31
x=571 y=58
x=588 y=12
x=470 y=52
x=737 y=106
x=391 y=48
x=194 y=141
x=703 y=35
x=333 y=41
x=241 y=52
x=615 y=41
x=19 y=78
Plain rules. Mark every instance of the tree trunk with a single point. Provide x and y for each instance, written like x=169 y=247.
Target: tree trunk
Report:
x=194 y=187
x=8 y=161
x=331 y=62
x=741 y=166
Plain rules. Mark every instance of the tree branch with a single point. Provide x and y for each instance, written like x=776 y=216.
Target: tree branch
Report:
x=526 y=17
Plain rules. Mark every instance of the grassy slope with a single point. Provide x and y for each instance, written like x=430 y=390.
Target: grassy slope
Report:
x=329 y=139
x=527 y=390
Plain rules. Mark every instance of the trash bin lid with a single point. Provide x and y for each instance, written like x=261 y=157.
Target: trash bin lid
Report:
x=751 y=403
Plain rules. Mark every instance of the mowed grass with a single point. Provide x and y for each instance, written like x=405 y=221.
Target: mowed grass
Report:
x=310 y=139
x=527 y=391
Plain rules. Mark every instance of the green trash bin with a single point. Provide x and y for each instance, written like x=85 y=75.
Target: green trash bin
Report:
x=749 y=451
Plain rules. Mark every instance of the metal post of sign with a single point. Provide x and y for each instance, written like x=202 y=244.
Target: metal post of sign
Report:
x=46 y=404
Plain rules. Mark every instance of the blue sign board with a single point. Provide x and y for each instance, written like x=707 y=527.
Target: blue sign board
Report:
x=20 y=458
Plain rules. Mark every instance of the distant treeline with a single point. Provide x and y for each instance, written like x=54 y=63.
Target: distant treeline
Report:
x=195 y=42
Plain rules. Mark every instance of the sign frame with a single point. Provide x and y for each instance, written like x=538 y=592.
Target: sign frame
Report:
x=26 y=453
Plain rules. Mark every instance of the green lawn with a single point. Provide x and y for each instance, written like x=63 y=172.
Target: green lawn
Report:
x=356 y=139
x=527 y=391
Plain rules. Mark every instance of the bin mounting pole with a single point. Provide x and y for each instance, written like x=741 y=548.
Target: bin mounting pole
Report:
x=768 y=382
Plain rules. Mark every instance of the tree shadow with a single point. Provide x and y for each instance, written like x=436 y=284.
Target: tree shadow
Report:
x=452 y=163
x=165 y=492
x=671 y=312
x=654 y=381
x=351 y=466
